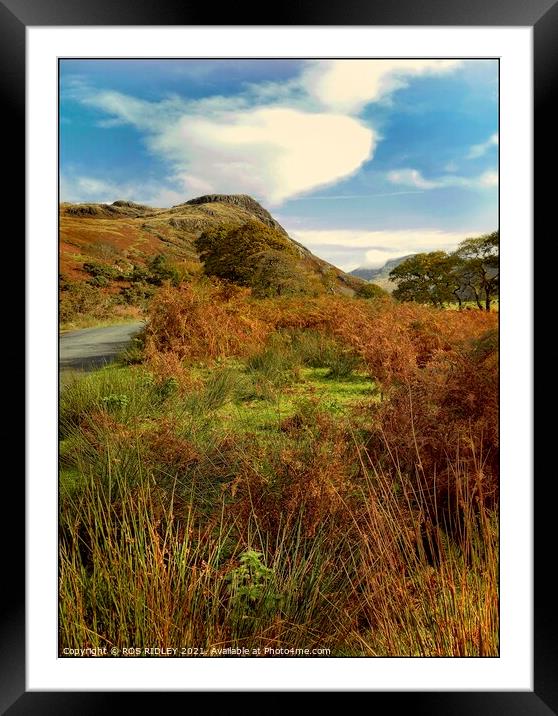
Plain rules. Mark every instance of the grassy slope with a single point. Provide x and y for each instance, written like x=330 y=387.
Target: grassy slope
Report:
x=122 y=235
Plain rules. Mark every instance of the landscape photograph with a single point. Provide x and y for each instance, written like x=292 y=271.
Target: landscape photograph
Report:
x=278 y=358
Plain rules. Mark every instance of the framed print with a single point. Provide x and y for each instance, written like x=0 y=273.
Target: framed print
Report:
x=243 y=152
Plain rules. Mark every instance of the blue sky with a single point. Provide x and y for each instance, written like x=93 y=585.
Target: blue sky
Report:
x=360 y=160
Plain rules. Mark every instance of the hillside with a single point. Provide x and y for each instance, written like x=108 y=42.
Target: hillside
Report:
x=120 y=236
x=380 y=275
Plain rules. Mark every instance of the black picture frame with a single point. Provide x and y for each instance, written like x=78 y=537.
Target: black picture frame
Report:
x=542 y=16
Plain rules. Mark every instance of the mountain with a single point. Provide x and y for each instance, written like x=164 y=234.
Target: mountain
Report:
x=125 y=234
x=380 y=275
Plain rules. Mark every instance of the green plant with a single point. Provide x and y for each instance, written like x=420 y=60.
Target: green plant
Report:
x=249 y=584
x=99 y=281
x=138 y=293
x=115 y=401
x=161 y=269
x=79 y=298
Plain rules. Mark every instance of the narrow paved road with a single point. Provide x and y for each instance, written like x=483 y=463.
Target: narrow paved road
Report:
x=94 y=347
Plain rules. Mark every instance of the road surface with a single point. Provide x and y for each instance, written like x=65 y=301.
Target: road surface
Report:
x=92 y=348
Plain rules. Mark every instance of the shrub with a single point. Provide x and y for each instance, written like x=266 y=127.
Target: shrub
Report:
x=99 y=270
x=371 y=290
x=444 y=423
x=249 y=586
x=203 y=321
x=78 y=299
x=99 y=281
x=160 y=269
x=138 y=294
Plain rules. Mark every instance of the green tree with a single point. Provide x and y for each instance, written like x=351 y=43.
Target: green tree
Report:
x=478 y=267
x=427 y=278
x=231 y=252
x=276 y=273
x=160 y=269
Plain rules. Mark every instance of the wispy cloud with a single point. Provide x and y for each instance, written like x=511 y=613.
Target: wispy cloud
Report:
x=77 y=188
x=374 y=248
x=479 y=150
x=413 y=177
x=337 y=197
x=488 y=179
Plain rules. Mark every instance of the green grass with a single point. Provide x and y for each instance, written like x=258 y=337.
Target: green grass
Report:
x=263 y=415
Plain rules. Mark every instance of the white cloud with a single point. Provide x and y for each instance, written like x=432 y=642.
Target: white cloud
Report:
x=349 y=85
x=374 y=248
x=479 y=150
x=413 y=177
x=272 y=152
x=274 y=140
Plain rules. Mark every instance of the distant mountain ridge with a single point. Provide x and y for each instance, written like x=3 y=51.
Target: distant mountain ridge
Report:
x=380 y=275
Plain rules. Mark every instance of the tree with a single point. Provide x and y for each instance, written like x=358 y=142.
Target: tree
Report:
x=231 y=252
x=470 y=272
x=479 y=267
x=160 y=269
x=276 y=274
x=427 y=278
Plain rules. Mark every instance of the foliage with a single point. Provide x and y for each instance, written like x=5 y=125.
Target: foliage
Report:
x=161 y=269
x=101 y=270
x=472 y=271
x=426 y=278
x=115 y=400
x=78 y=299
x=479 y=268
x=371 y=290
x=137 y=294
x=241 y=254
x=276 y=273
x=202 y=321
x=249 y=585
